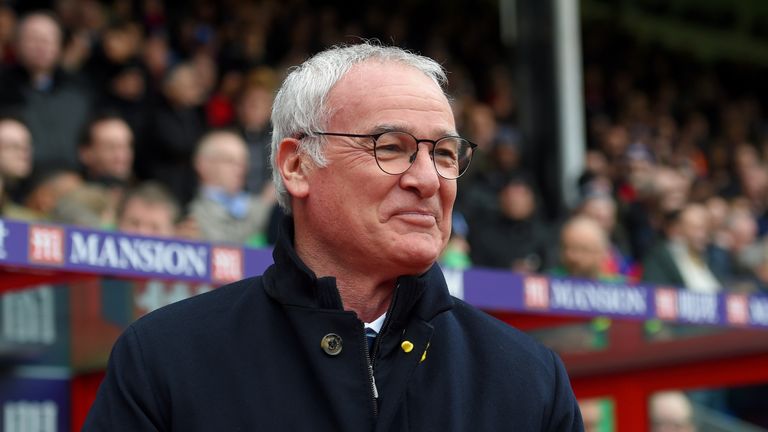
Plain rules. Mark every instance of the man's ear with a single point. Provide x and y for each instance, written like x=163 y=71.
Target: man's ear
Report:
x=293 y=168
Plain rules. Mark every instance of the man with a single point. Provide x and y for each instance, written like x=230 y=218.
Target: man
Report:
x=370 y=216
x=253 y=110
x=601 y=207
x=514 y=237
x=671 y=411
x=175 y=125
x=53 y=104
x=106 y=150
x=683 y=260
x=15 y=152
x=584 y=247
x=223 y=211
x=47 y=185
x=148 y=209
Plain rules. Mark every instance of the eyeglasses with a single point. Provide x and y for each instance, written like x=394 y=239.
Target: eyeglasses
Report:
x=395 y=152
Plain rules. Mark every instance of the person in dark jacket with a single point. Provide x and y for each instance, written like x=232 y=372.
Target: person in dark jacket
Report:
x=352 y=328
x=53 y=103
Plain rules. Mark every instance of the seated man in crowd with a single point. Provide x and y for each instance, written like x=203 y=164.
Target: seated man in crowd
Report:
x=106 y=151
x=15 y=153
x=106 y=156
x=222 y=209
x=514 y=237
x=584 y=247
x=683 y=259
x=47 y=185
x=148 y=209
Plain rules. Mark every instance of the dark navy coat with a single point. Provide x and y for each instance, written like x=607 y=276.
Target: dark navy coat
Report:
x=249 y=357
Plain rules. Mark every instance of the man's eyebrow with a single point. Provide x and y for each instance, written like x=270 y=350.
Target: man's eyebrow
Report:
x=393 y=127
x=389 y=127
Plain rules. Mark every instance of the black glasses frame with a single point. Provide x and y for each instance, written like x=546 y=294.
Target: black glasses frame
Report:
x=375 y=137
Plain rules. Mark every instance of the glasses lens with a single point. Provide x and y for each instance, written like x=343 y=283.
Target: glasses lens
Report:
x=393 y=152
x=396 y=151
x=452 y=156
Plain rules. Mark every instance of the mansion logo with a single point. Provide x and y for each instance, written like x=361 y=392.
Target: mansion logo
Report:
x=46 y=245
x=666 y=304
x=737 y=309
x=536 y=290
x=596 y=297
x=226 y=264
x=686 y=306
x=3 y=234
x=138 y=254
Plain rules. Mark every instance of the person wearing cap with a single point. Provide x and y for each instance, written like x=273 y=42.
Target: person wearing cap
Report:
x=353 y=327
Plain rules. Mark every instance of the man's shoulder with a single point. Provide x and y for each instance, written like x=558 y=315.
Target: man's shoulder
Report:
x=486 y=332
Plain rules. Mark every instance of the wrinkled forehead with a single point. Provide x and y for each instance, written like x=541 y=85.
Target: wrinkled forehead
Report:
x=385 y=93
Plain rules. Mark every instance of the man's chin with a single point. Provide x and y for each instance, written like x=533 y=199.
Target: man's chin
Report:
x=416 y=263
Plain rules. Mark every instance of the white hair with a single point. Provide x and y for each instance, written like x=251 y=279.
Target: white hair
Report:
x=300 y=107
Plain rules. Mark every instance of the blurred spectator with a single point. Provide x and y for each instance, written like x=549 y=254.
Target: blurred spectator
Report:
x=106 y=150
x=665 y=190
x=740 y=252
x=15 y=154
x=118 y=47
x=7 y=29
x=52 y=103
x=157 y=57
x=11 y=210
x=220 y=108
x=684 y=260
x=601 y=207
x=222 y=209
x=175 y=125
x=480 y=125
x=513 y=237
x=479 y=192
x=456 y=253
x=127 y=94
x=47 y=184
x=590 y=414
x=253 y=119
x=86 y=206
x=106 y=157
x=671 y=411
x=597 y=415
x=148 y=209
x=584 y=248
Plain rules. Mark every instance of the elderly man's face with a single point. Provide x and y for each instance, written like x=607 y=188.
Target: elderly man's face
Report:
x=365 y=217
x=39 y=43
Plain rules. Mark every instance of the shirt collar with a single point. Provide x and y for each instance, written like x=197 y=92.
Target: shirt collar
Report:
x=377 y=323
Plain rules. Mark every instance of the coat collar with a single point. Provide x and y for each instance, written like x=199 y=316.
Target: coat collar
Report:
x=289 y=281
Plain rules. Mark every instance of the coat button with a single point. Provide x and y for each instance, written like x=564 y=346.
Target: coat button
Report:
x=331 y=344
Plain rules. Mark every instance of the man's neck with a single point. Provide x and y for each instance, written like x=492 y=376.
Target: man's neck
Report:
x=368 y=294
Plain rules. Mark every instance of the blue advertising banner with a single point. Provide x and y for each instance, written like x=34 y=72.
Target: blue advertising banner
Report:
x=116 y=254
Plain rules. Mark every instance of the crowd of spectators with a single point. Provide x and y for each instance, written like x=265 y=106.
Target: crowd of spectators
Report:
x=106 y=104
x=152 y=117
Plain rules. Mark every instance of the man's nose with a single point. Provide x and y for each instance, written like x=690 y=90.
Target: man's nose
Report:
x=421 y=176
